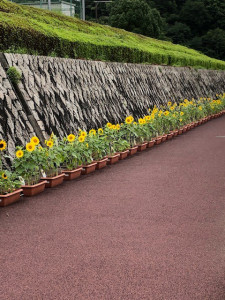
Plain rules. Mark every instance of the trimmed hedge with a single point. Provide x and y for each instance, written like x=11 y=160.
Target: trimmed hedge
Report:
x=28 y=30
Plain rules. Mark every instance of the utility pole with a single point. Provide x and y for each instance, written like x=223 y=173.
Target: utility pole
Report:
x=49 y=4
x=83 y=10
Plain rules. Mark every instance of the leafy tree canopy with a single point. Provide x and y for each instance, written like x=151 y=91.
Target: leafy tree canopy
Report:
x=189 y=22
x=136 y=16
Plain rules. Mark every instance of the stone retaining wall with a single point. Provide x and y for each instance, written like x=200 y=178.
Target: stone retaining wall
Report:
x=14 y=124
x=65 y=94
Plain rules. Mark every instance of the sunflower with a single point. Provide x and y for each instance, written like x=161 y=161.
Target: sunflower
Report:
x=83 y=134
x=166 y=113
x=87 y=145
x=2 y=145
x=118 y=126
x=92 y=132
x=4 y=176
x=50 y=143
x=169 y=103
x=140 y=121
x=155 y=110
x=171 y=108
x=113 y=127
x=129 y=120
x=200 y=108
x=181 y=120
x=81 y=139
x=100 y=131
x=19 y=153
x=35 y=140
x=71 y=137
x=30 y=147
x=109 y=125
x=181 y=113
x=147 y=118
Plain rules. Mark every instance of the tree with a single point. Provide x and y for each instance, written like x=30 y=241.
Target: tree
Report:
x=214 y=43
x=136 y=16
x=196 y=16
x=179 y=32
x=166 y=7
x=216 y=9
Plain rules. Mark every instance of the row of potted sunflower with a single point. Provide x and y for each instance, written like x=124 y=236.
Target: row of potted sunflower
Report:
x=36 y=167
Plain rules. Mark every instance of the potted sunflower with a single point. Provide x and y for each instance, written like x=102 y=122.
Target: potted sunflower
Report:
x=88 y=165
x=98 y=145
x=9 y=188
x=9 y=184
x=121 y=145
x=27 y=165
x=142 y=132
x=50 y=162
x=71 y=157
x=111 y=131
x=129 y=130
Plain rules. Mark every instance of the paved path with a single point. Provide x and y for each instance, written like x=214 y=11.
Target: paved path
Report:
x=150 y=227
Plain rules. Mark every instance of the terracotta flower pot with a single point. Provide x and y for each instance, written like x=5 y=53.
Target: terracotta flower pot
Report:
x=175 y=132
x=151 y=143
x=123 y=154
x=32 y=190
x=87 y=169
x=158 y=140
x=10 y=198
x=133 y=150
x=112 y=159
x=180 y=131
x=101 y=163
x=169 y=136
x=53 y=181
x=164 y=137
x=188 y=127
x=73 y=174
x=142 y=147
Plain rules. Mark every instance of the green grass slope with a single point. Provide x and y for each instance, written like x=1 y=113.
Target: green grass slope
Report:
x=35 y=31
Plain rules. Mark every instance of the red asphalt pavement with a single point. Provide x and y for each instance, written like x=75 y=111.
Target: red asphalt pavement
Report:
x=149 y=227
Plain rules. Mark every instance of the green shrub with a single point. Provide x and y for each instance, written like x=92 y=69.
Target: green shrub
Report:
x=14 y=75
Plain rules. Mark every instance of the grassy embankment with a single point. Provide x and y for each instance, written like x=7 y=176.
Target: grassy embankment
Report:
x=29 y=30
